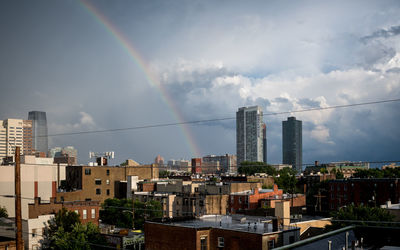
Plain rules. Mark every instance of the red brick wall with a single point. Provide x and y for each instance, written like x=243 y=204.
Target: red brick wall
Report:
x=158 y=236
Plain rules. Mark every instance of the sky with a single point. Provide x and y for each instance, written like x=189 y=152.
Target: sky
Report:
x=98 y=65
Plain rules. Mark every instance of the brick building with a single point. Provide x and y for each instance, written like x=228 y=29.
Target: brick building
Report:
x=218 y=232
x=88 y=210
x=196 y=166
x=250 y=199
x=369 y=191
x=99 y=183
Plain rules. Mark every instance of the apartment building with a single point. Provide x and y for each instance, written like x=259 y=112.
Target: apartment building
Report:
x=99 y=183
x=218 y=232
x=15 y=132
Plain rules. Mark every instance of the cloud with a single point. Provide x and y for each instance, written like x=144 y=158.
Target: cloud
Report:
x=85 y=122
x=383 y=33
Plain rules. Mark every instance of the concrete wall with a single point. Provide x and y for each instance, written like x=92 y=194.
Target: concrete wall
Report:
x=39 y=180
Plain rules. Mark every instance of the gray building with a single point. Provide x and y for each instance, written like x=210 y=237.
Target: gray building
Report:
x=292 y=145
x=264 y=143
x=249 y=134
x=39 y=130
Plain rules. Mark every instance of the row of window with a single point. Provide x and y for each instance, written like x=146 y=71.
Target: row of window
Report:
x=84 y=213
x=98 y=191
x=98 y=182
x=88 y=171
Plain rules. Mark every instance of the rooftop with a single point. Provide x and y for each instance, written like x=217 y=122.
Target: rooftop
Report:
x=249 y=224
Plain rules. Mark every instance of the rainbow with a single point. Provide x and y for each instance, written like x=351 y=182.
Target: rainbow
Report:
x=140 y=62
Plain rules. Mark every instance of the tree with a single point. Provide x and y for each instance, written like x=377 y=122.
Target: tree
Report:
x=360 y=215
x=119 y=212
x=339 y=175
x=163 y=174
x=65 y=231
x=287 y=180
x=250 y=168
x=3 y=212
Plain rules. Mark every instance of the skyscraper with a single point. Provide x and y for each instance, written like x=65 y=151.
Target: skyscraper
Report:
x=15 y=132
x=249 y=134
x=39 y=130
x=264 y=143
x=292 y=145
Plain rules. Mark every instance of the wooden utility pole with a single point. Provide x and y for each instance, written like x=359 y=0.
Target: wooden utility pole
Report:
x=319 y=201
x=18 y=217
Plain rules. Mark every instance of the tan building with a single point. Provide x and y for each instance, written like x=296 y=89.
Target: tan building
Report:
x=15 y=132
x=39 y=178
x=99 y=183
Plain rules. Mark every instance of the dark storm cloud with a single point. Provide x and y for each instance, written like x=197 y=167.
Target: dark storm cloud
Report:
x=382 y=33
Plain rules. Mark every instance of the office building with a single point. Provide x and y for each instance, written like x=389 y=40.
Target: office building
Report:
x=227 y=163
x=292 y=146
x=15 y=132
x=249 y=134
x=39 y=128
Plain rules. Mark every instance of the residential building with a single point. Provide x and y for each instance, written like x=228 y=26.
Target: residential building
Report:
x=249 y=134
x=39 y=130
x=292 y=145
x=226 y=162
x=196 y=166
x=250 y=199
x=67 y=155
x=99 y=183
x=359 y=191
x=218 y=232
x=15 y=132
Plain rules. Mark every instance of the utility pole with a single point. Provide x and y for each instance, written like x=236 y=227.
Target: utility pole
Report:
x=18 y=217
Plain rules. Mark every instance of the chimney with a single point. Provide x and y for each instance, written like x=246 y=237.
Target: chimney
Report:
x=282 y=210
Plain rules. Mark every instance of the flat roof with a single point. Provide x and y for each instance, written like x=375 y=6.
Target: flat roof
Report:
x=247 y=224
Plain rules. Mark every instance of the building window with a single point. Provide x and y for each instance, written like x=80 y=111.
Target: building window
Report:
x=108 y=182
x=76 y=211
x=108 y=171
x=203 y=243
x=84 y=214
x=345 y=187
x=196 y=189
x=231 y=199
x=221 y=242
x=240 y=200
x=93 y=213
x=34 y=234
x=97 y=182
x=108 y=191
x=98 y=191
x=271 y=244
x=88 y=171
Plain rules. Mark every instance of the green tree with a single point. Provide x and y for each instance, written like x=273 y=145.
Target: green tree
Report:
x=3 y=212
x=65 y=231
x=287 y=180
x=163 y=174
x=250 y=168
x=360 y=215
x=119 y=212
x=339 y=175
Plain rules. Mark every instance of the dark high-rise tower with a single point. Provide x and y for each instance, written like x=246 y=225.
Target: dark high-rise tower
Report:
x=292 y=145
x=39 y=130
x=264 y=143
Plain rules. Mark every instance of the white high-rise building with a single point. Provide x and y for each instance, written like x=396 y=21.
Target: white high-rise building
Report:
x=15 y=132
x=249 y=134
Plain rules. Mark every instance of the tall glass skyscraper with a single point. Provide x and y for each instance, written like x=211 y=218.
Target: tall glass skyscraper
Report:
x=292 y=145
x=249 y=134
x=39 y=131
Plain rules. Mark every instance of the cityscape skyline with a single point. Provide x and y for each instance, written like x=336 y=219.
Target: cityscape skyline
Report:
x=213 y=59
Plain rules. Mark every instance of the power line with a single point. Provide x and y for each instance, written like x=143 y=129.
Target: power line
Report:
x=217 y=119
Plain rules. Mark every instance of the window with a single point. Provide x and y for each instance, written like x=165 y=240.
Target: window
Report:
x=345 y=187
x=221 y=242
x=108 y=191
x=108 y=182
x=34 y=234
x=76 y=211
x=240 y=200
x=97 y=182
x=203 y=243
x=93 y=213
x=88 y=171
x=84 y=214
x=231 y=199
x=271 y=244
x=108 y=171
x=196 y=189
x=98 y=191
